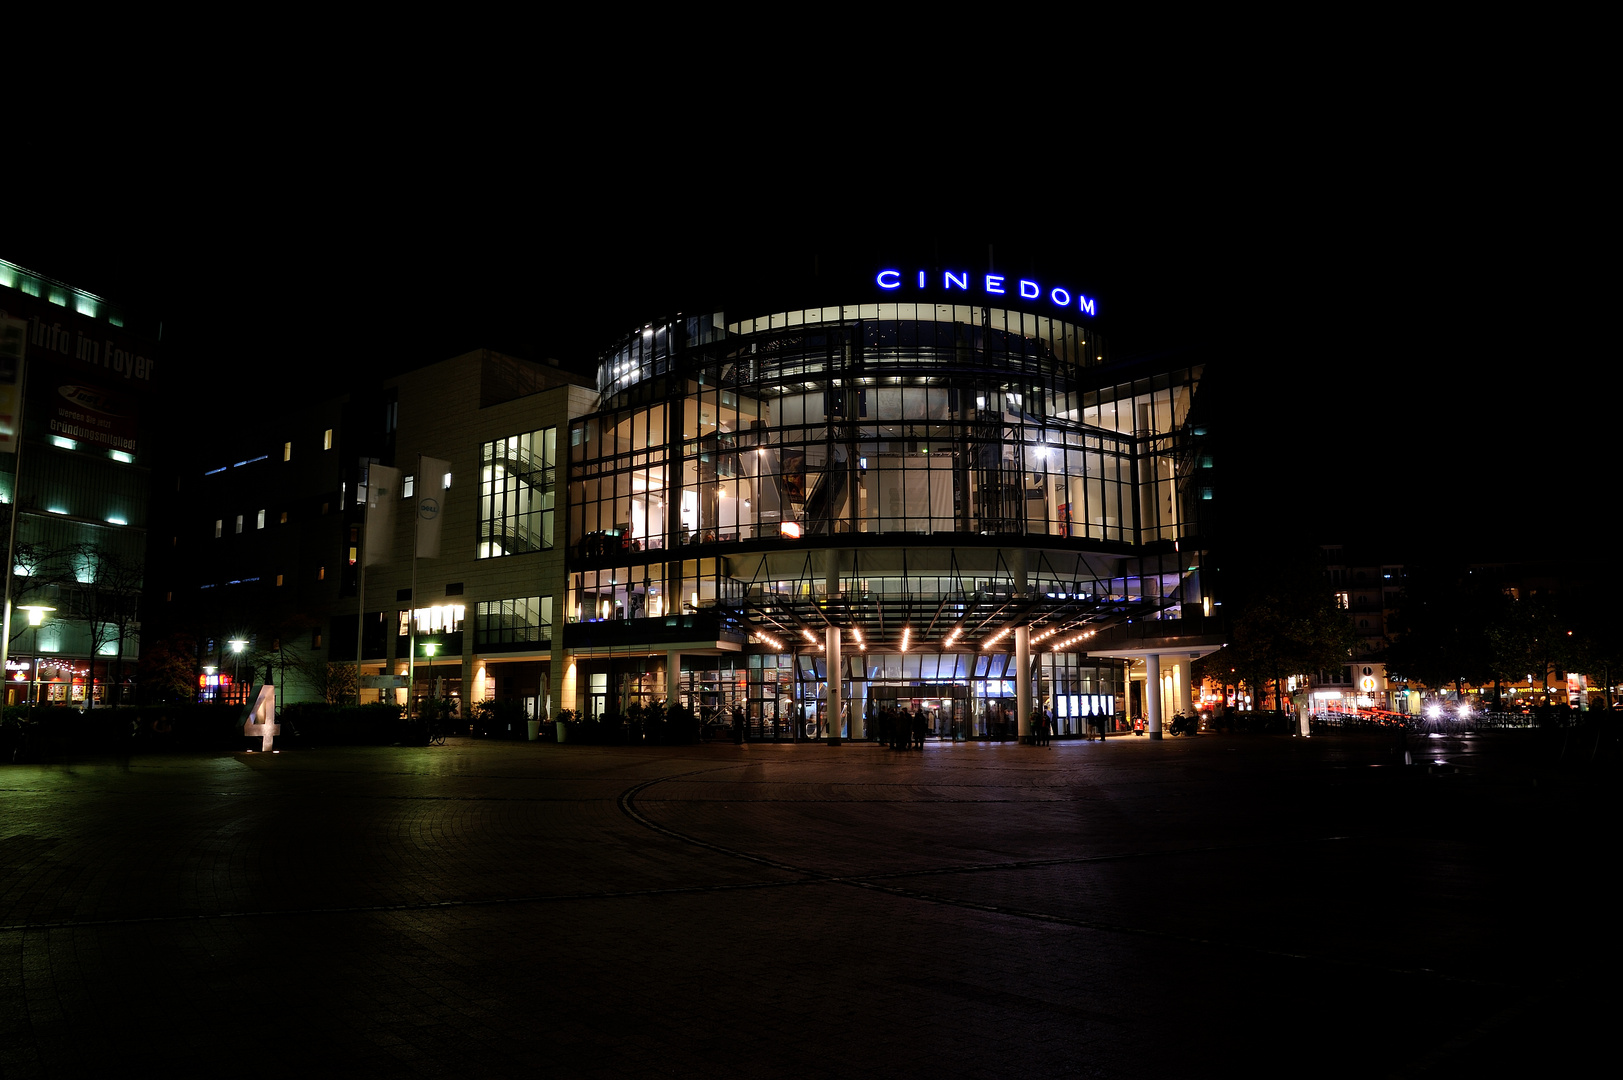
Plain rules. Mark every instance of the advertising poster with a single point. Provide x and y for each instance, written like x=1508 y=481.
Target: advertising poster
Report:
x=13 y=343
x=95 y=415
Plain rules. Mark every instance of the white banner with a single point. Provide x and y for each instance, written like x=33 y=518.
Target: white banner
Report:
x=382 y=492
x=430 y=505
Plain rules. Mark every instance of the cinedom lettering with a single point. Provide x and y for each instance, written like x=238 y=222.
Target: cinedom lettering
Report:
x=993 y=285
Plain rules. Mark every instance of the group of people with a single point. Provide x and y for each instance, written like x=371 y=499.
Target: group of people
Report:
x=901 y=730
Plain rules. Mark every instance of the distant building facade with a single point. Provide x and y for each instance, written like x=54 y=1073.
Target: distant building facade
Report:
x=76 y=474
x=1369 y=591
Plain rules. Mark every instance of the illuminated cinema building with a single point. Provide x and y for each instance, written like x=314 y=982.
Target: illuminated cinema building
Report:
x=946 y=494
x=943 y=496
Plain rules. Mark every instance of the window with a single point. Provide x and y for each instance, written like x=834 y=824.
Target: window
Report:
x=284 y=517
x=321 y=573
x=287 y=451
x=261 y=524
x=408 y=486
x=522 y=621
x=315 y=639
x=278 y=581
x=219 y=528
x=517 y=480
x=439 y=619
x=326 y=439
x=239 y=523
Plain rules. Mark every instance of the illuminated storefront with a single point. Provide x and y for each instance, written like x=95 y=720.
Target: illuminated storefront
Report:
x=947 y=501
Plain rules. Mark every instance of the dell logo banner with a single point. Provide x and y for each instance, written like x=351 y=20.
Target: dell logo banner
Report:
x=993 y=285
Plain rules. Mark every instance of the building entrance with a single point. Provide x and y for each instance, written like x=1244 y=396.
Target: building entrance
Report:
x=946 y=707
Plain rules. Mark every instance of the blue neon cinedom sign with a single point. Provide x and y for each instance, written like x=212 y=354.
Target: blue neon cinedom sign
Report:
x=994 y=286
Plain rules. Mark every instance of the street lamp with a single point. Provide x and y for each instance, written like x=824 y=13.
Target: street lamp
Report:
x=237 y=645
x=36 y=617
x=429 y=648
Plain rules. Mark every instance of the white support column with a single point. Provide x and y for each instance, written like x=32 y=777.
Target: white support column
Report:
x=1022 y=685
x=832 y=649
x=673 y=677
x=1178 y=697
x=859 y=710
x=1152 y=693
x=568 y=696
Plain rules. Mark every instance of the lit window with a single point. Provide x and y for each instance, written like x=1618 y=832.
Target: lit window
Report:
x=287 y=451
x=261 y=524
x=326 y=439
x=284 y=517
x=278 y=581
x=517 y=483
x=321 y=573
x=408 y=486
x=219 y=528
x=239 y=523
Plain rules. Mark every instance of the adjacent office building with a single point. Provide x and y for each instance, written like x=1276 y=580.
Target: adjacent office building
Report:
x=75 y=473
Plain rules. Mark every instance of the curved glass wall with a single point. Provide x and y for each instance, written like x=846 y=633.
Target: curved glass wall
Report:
x=877 y=426
x=727 y=456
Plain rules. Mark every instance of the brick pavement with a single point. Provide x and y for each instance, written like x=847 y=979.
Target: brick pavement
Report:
x=1177 y=908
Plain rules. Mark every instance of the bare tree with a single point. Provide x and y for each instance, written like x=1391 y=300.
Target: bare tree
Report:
x=34 y=580
x=105 y=589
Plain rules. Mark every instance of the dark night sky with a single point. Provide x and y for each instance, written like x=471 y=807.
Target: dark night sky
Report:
x=1399 y=354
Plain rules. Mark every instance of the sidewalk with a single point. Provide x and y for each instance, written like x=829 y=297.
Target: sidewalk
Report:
x=1180 y=907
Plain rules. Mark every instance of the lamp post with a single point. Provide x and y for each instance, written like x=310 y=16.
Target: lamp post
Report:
x=237 y=645
x=429 y=648
x=36 y=617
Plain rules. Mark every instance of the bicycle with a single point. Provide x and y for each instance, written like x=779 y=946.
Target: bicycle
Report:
x=436 y=733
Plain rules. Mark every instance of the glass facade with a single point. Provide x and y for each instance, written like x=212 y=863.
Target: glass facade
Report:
x=925 y=477
x=517 y=482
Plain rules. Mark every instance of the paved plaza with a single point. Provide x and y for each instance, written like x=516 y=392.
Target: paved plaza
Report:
x=1190 y=907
